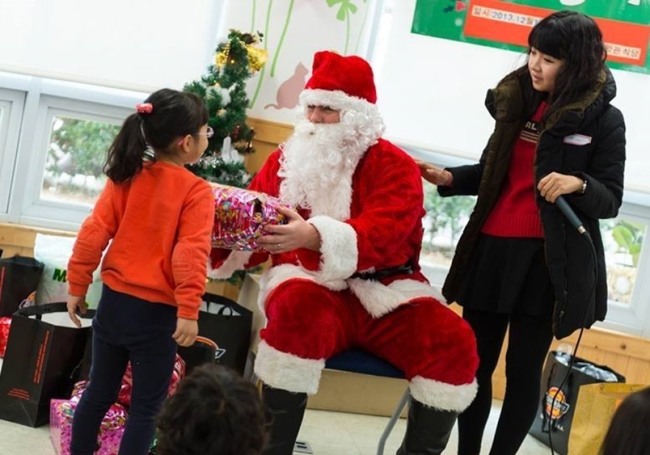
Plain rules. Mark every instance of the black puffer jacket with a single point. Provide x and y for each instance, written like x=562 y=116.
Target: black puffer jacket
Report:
x=601 y=162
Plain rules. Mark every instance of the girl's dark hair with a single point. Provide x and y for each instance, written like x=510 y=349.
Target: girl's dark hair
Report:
x=173 y=114
x=214 y=411
x=576 y=39
x=628 y=432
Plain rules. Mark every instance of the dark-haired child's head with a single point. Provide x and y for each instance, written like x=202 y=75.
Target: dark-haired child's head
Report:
x=214 y=411
x=628 y=431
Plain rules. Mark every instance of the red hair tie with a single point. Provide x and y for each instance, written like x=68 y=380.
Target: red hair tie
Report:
x=144 y=108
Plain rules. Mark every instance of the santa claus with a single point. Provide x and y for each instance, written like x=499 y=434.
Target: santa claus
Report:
x=345 y=269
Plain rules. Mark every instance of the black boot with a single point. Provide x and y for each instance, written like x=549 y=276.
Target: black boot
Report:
x=427 y=430
x=286 y=411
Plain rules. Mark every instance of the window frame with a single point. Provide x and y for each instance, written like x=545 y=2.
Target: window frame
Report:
x=12 y=105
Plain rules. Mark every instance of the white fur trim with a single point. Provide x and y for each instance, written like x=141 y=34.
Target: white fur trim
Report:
x=336 y=99
x=287 y=371
x=439 y=395
x=348 y=105
x=339 y=250
x=380 y=299
x=281 y=273
x=236 y=260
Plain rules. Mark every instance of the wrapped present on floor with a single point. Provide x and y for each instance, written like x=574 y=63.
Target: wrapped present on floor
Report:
x=5 y=325
x=240 y=216
x=110 y=431
x=124 y=395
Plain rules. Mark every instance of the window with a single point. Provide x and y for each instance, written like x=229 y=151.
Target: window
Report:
x=65 y=133
x=75 y=160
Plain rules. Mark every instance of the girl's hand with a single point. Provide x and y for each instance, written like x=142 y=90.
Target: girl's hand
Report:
x=297 y=233
x=186 y=332
x=555 y=184
x=76 y=302
x=435 y=175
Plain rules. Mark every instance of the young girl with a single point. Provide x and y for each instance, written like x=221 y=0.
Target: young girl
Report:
x=556 y=134
x=158 y=217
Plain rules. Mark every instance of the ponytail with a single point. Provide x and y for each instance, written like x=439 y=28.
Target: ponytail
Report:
x=126 y=153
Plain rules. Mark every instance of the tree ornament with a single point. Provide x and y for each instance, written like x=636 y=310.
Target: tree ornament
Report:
x=256 y=58
x=221 y=59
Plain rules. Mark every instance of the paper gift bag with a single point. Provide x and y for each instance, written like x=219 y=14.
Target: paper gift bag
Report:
x=558 y=400
x=43 y=352
x=19 y=279
x=594 y=411
x=202 y=351
x=228 y=324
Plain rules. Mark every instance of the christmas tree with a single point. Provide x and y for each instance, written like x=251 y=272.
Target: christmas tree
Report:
x=223 y=90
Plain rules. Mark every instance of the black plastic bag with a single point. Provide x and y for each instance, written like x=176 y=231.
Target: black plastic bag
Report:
x=229 y=325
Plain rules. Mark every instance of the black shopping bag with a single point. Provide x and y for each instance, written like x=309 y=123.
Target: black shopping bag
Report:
x=41 y=360
x=202 y=351
x=229 y=325
x=19 y=277
x=557 y=405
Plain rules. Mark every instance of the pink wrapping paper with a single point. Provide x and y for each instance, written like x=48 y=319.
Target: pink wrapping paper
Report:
x=124 y=395
x=240 y=216
x=110 y=432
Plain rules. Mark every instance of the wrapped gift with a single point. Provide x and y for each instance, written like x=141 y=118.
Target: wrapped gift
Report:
x=110 y=431
x=124 y=395
x=5 y=325
x=240 y=216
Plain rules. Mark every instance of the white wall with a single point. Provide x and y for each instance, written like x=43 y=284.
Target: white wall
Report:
x=293 y=31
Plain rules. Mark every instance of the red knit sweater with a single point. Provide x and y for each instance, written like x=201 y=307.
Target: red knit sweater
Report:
x=159 y=224
x=515 y=213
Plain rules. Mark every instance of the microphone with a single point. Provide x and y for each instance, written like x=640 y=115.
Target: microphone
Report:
x=570 y=215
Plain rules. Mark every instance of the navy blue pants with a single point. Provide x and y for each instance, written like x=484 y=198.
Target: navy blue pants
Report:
x=126 y=328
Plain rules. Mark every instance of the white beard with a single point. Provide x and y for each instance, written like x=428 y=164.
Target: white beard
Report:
x=318 y=163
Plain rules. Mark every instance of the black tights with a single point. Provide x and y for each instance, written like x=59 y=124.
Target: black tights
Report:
x=528 y=343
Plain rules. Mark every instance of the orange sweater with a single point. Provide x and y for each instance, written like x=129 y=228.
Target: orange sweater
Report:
x=159 y=223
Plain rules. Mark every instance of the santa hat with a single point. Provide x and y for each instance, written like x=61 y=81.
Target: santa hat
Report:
x=345 y=83
x=340 y=82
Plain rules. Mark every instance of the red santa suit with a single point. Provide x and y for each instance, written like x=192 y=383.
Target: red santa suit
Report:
x=364 y=288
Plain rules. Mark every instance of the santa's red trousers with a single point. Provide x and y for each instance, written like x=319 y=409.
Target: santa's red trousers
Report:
x=308 y=323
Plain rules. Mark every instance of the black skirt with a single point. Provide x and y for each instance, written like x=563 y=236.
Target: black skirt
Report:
x=508 y=275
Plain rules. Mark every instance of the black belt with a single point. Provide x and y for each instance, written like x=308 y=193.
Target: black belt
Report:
x=378 y=275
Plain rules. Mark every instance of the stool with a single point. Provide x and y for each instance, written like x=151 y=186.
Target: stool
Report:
x=358 y=361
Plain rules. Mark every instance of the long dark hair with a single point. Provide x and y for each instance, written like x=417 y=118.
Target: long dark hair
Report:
x=173 y=114
x=628 y=431
x=577 y=40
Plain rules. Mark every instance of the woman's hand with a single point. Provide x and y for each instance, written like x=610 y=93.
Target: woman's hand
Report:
x=186 y=332
x=435 y=175
x=297 y=233
x=555 y=184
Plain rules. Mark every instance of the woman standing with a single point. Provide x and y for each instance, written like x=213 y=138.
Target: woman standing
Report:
x=519 y=265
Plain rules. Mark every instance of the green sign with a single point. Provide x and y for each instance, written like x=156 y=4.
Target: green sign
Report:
x=505 y=24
